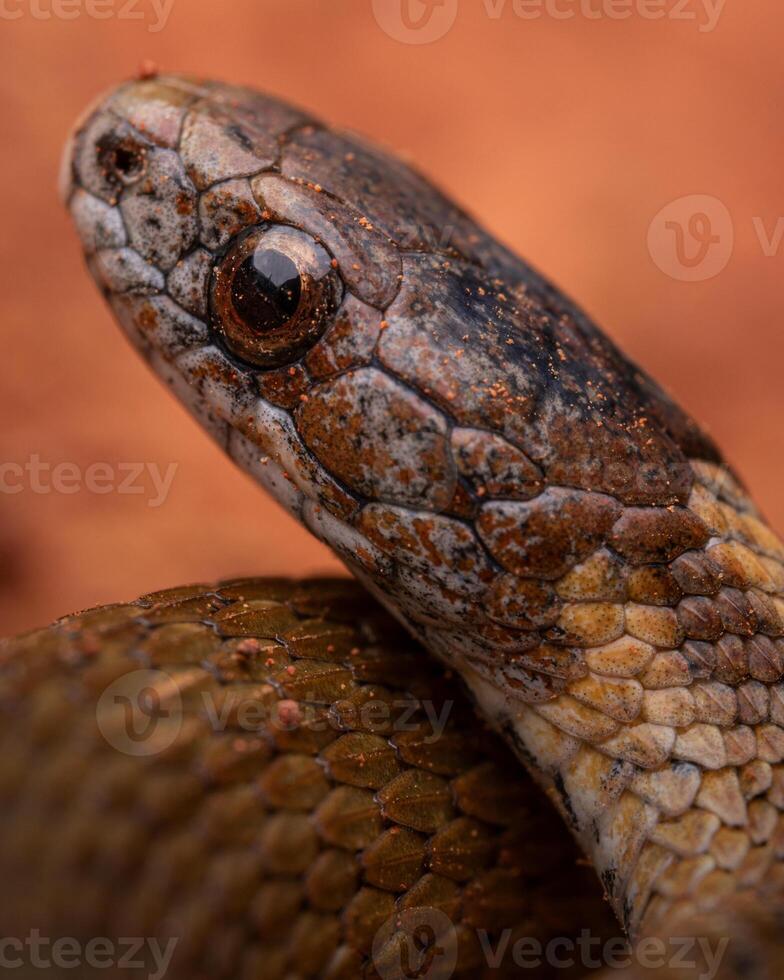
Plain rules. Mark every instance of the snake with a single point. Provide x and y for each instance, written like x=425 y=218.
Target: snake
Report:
x=531 y=507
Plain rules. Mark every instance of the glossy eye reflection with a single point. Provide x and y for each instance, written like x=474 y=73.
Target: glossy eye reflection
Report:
x=266 y=289
x=273 y=295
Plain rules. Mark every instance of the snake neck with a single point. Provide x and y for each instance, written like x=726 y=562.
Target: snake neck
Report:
x=664 y=752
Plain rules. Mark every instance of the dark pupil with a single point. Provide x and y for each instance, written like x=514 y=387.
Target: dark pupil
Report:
x=266 y=289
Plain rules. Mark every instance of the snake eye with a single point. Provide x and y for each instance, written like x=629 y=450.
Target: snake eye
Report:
x=273 y=295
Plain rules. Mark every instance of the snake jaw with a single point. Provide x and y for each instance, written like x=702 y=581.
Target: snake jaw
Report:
x=519 y=494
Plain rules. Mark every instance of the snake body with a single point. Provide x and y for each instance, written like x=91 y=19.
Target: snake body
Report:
x=309 y=786
x=526 y=501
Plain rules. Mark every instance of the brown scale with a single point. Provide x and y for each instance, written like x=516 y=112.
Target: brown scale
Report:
x=278 y=843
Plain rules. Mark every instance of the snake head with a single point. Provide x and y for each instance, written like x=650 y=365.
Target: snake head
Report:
x=256 y=259
x=527 y=501
x=251 y=255
x=454 y=428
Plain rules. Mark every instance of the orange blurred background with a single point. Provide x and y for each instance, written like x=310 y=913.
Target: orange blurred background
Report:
x=566 y=136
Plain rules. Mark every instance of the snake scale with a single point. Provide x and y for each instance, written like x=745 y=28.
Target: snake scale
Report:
x=310 y=777
x=528 y=503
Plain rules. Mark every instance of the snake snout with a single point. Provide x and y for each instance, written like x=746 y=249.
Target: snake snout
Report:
x=158 y=179
x=126 y=186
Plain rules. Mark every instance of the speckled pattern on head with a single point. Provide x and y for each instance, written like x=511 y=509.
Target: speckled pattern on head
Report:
x=528 y=502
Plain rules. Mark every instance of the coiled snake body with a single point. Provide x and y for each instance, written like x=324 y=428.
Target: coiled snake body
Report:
x=527 y=502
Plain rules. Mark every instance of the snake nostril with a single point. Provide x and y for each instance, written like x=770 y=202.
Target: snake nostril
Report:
x=121 y=158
